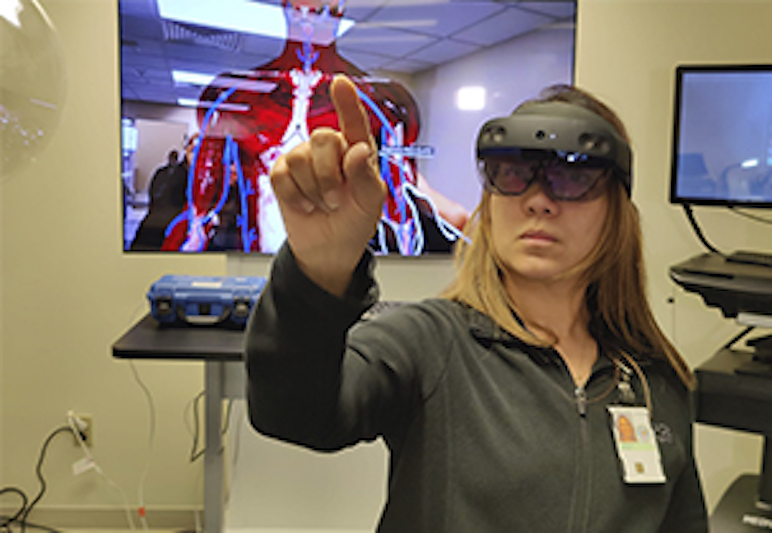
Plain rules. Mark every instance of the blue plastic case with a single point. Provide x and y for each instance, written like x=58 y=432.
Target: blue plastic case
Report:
x=204 y=300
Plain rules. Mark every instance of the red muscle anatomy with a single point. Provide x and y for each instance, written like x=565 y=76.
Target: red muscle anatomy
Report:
x=247 y=119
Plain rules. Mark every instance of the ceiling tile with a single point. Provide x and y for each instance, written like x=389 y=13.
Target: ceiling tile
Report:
x=504 y=26
x=392 y=35
x=443 y=51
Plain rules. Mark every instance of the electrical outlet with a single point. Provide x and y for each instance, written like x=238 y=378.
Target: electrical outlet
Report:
x=85 y=424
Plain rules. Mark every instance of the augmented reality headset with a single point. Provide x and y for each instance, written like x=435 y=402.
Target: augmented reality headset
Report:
x=560 y=130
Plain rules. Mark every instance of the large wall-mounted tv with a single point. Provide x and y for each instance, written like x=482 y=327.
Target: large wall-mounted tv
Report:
x=722 y=140
x=213 y=91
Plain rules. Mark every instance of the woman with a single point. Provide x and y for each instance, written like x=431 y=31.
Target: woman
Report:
x=500 y=401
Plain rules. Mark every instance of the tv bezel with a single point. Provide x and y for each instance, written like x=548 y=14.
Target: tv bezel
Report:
x=680 y=71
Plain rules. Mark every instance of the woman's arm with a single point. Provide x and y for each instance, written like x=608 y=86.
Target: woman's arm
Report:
x=295 y=344
x=686 y=513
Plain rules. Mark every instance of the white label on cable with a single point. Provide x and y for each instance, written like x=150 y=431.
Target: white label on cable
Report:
x=83 y=465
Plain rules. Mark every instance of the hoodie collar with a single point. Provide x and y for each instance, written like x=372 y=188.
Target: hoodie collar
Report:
x=488 y=332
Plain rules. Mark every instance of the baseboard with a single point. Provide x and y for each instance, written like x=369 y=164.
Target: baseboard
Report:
x=182 y=520
x=292 y=530
x=76 y=517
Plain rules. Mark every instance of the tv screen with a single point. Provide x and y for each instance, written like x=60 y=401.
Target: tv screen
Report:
x=722 y=142
x=214 y=91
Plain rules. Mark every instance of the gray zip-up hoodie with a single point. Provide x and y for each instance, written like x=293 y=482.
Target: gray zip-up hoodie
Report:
x=486 y=434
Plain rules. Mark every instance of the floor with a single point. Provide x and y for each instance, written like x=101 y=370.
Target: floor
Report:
x=102 y=530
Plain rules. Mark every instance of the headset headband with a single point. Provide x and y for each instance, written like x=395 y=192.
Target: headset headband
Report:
x=559 y=127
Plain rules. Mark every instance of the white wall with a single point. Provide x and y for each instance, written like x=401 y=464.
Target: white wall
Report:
x=68 y=292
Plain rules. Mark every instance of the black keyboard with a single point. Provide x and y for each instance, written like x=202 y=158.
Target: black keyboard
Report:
x=750 y=258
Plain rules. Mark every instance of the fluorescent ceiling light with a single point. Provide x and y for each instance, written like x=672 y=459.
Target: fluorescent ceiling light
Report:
x=343 y=26
x=129 y=136
x=415 y=23
x=187 y=102
x=193 y=78
x=233 y=15
x=224 y=106
x=385 y=39
x=750 y=163
x=243 y=16
x=470 y=98
x=9 y=10
x=210 y=80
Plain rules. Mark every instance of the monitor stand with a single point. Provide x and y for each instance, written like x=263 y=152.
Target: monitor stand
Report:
x=747 y=505
x=762 y=346
x=761 y=364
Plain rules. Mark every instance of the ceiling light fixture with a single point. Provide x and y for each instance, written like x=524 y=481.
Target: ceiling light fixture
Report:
x=470 y=98
x=242 y=16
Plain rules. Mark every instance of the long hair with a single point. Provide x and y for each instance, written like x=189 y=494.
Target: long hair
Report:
x=620 y=318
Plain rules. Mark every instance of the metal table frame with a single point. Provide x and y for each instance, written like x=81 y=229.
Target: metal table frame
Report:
x=221 y=351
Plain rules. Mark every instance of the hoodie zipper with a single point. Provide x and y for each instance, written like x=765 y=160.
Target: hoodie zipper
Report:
x=581 y=496
x=579 y=508
x=581 y=400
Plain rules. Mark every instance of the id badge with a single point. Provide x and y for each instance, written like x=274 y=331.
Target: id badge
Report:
x=636 y=445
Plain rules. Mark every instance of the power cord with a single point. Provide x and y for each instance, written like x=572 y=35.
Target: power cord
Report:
x=150 y=445
x=756 y=218
x=76 y=428
x=7 y=528
x=6 y=521
x=21 y=516
x=195 y=453
x=141 y=509
x=39 y=473
x=698 y=230
x=194 y=430
x=701 y=236
x=737 y=337
x=32 y=525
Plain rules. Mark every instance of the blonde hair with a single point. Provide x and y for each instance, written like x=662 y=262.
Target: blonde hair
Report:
x=620 y=318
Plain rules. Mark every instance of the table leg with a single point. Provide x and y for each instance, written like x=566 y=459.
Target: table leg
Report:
x=213 y=455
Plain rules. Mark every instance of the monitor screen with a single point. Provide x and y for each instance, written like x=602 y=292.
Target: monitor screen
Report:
x=214 y=91
x=722 y=142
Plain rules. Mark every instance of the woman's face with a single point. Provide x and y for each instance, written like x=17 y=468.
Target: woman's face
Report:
x=540 y=239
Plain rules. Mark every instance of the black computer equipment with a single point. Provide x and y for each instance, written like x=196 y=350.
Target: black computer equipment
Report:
x=722 y=146
x=722 y=158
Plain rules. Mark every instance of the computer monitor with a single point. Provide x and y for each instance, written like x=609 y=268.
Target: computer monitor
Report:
x=213 y=91
x=722 y=136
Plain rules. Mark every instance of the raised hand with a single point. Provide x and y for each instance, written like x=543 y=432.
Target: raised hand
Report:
x=330 y=193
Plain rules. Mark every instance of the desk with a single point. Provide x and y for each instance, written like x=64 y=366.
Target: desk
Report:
x=221 y=351
x=735 y=392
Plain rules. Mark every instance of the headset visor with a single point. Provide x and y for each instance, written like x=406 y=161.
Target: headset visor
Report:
x=563 y=142
x=562 y=175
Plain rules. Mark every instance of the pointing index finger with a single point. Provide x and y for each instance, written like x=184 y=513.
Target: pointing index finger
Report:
x=352 y=117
